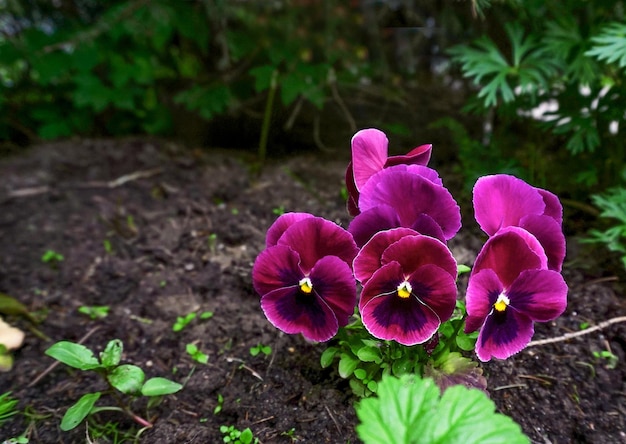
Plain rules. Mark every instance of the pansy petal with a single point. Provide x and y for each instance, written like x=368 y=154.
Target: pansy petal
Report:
x=550 y=235
x=509 y=252
x=426 y=225
x=501 y=200
x=554 y=209
x=276 y=267
x=539 y=294
x=411 y=195
x=504 y=334
x=369 y=258
x=315 y=237
x=405 y=320
x=417 y=156
x=284 y=221
x=436 y=288
x=333 y=281
x=370 y=222
x=369 y=154
x=412 y=252
x=293 y=311
x=482 y=292
x=384 y=281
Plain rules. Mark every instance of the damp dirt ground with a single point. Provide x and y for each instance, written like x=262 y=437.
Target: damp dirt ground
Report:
x=155 y=231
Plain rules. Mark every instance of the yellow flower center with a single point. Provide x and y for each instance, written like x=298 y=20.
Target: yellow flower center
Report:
x=501 y=303
x=305 y=285
x=404 y=289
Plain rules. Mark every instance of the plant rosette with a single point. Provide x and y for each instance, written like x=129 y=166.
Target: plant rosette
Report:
x=407 y=318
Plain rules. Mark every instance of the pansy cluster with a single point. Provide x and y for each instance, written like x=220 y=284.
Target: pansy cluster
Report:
x=395 y=248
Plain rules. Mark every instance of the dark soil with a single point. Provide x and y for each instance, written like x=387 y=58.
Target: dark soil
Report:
x=184 y=228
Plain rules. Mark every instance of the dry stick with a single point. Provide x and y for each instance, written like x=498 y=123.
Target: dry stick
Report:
x=567 y=336
x=54 y=364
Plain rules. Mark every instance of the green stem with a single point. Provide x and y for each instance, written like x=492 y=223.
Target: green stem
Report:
x=267 y=118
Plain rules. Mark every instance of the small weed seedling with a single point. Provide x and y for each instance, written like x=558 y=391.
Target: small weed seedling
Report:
x=278 y=210
x=52 y=258
x=235 y=436
x=126 y=379
x=183 y=321
x=260 y=348
x=7 y=407
x=610 y=358
x=95 y=311
x=220 y=404
x=196 y=354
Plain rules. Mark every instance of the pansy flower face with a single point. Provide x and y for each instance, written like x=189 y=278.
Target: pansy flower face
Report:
x=509 y=289
x=502 y=201
x=410 y=196
x=305 y=278
x=412 y=293
x=369 y=155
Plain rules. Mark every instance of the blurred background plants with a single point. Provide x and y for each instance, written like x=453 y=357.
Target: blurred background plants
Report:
x=541 y=83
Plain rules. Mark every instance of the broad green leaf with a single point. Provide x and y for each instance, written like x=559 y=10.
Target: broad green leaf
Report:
x=369 y=354
x=127 y=378
x=112 y=353
x=160 y=386
x=328 y=356
x=410 y=410
x=74 y=355
x=347 y=364
x=400 y=412
x=79 y=411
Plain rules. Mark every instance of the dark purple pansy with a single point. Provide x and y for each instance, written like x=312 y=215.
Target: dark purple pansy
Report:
x=502 y=201
x=409 y=196
x=305 y=278
x=411 y=294
x=509 y=289
x=369 y=155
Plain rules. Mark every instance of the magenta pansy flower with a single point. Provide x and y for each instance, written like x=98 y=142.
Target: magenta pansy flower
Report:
x=370 y=155
x=411 y=294
x=305 y=278
x=510 y=289
x=410 y=196
x=502 y=201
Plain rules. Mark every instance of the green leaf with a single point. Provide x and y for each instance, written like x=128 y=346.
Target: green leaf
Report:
x=410 y=410
x=127 y=378
x=79 y=411
x=328 y=356
x=74 y=355
x=262 y=77
x=610 y=44
x=160 y=386
x=11 y=306
x=246 y=436
x=347 y=364
x=112 y=353
x=370 y=354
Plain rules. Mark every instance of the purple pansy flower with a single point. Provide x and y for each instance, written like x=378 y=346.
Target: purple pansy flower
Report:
x=502 y=201
x=410 y=196
x=412 y=293
x=369 y=155
x=305 y=278
x=509 y=289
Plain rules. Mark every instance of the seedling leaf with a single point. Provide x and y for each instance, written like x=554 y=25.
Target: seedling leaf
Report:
x=160 y=386
x=79 y=411
x=127 y=378
x=74 y=355
x=112 y=353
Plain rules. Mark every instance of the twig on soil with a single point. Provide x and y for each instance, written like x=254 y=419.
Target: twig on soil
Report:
x=587 y=331
x=510 y=386
x=55 y=363
x=333 y=418
x=243 y=365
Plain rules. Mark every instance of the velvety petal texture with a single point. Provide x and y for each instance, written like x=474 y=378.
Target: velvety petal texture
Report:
x=369 y=155
x=510 y=288
x=305 y=278
x=501 y=201
x=411 y=196
x=412 y=293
